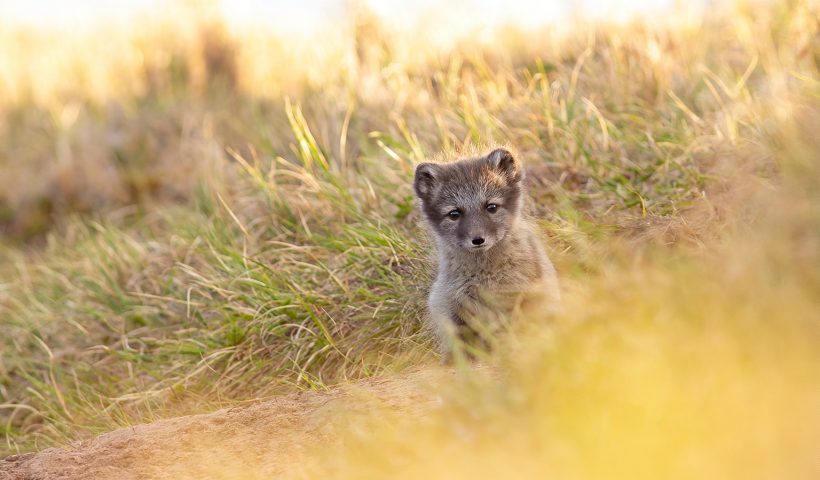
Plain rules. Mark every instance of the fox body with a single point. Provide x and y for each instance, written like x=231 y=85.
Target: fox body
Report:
x=490 y=259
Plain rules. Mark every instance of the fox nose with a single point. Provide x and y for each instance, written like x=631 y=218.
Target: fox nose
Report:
x=478 y=241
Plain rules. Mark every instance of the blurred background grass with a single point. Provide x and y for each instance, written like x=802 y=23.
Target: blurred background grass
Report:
x=196 y=213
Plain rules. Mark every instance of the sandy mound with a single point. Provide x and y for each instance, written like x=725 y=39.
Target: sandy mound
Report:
x=265 y=440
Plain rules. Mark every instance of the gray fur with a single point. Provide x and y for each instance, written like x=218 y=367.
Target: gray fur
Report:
x=480 y=284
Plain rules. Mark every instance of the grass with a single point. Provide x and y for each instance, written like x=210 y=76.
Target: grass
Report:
x=183 y=232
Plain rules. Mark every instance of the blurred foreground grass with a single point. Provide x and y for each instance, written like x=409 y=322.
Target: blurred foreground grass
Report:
x=198 y=217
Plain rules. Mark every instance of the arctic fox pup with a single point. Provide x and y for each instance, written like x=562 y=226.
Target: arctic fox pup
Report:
x=491 y=264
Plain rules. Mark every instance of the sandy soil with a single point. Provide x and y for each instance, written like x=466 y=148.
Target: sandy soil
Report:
x=269 y=439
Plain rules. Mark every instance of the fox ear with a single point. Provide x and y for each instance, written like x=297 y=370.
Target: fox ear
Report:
x=425 y=181
x=503 y=161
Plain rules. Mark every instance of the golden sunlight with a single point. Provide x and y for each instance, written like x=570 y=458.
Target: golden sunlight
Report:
x=309 y=15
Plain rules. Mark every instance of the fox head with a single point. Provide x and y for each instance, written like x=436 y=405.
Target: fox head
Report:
x=471 y=204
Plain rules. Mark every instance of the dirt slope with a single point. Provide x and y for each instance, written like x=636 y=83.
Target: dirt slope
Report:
x=265 y=440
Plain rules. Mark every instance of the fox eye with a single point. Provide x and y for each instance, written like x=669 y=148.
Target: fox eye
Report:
x=454 y=214
x=492 y=208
